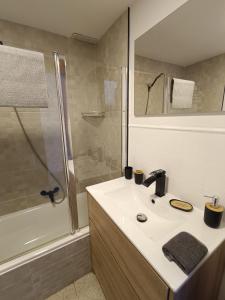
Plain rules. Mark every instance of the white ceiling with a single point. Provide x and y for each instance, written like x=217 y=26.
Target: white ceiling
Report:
x=87 y=17
x=193 y=33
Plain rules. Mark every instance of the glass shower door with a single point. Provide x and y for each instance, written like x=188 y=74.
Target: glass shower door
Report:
x=34 y=207
x=100 y=120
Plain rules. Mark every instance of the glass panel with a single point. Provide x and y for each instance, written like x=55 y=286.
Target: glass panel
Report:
x=31 y=161
x=96 y=93
x=100 y=159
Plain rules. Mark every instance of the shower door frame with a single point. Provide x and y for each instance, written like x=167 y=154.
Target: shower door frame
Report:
x=66 y=138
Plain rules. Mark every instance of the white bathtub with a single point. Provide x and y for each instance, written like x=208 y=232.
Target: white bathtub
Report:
x=31 y=228
x=42 y=229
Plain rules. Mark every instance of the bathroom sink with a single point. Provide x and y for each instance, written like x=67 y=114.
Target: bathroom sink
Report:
x=131 y=199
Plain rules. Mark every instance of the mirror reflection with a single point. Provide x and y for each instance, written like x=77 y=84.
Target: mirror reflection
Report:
x=180 y=62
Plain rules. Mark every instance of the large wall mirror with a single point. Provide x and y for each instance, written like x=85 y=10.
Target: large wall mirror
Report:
x=180 y=62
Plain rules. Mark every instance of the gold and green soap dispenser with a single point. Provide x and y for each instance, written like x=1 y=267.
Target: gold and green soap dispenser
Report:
x=213 y=212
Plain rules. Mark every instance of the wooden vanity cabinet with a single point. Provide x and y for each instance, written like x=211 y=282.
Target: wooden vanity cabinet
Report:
x=125 y=274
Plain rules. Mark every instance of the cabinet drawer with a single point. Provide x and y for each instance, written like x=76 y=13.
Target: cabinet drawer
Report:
x=114 y=283
x=143 y=278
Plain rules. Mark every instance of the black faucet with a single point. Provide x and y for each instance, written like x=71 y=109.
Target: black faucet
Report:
x=50 y=194
x=158 y=176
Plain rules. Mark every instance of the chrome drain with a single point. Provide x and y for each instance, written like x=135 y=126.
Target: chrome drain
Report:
x=142 y=218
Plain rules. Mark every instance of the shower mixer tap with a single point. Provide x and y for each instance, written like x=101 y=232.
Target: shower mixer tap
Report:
x=50 y=194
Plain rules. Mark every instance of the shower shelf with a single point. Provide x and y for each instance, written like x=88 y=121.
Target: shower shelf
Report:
x=93 y=114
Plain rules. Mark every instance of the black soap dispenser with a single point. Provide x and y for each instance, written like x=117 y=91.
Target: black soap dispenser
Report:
x=213 y=212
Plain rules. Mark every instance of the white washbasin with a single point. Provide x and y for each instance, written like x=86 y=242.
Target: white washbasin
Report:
x=133 y=199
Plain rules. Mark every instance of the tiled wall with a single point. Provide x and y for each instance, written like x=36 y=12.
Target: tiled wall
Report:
x=210 y=77
x=96 y=141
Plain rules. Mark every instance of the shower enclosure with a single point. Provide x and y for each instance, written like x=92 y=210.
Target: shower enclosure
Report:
x=48 y=155
x=34 y=160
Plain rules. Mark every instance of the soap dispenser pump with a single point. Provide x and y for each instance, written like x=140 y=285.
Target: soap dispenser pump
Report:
x=213 y=212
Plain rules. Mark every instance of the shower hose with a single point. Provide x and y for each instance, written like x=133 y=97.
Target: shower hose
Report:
x=39 y=157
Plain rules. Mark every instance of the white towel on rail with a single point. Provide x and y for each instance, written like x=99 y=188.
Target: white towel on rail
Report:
x=22 y=78
x=183 y=91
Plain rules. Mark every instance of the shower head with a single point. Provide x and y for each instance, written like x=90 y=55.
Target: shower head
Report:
x=150 y=85
x=84 y=38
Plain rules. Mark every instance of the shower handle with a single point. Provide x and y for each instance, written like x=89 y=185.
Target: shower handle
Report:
x=50 y=194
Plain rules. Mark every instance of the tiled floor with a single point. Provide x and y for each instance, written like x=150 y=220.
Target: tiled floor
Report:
x=85 y=288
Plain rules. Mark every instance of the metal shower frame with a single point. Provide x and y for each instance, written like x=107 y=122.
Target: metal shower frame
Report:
x=60 y=72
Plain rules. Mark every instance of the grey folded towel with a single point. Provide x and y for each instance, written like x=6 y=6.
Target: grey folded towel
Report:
x=185 y=250
x=23 y=78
